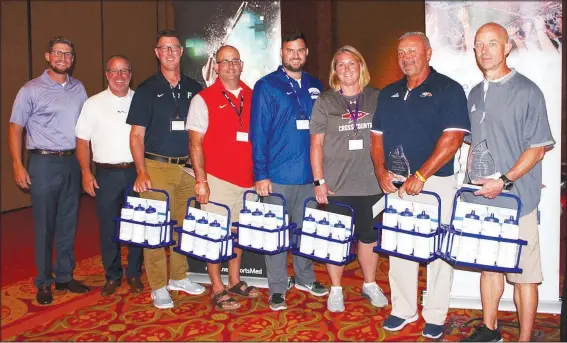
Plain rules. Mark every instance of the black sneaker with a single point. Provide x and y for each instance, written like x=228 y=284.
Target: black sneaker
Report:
x=277 y=302
x=314 y=288
x=484 y=334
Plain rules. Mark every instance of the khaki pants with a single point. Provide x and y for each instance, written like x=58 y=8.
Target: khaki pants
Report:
x=227 y=194
x=180 y=186
x=404 y=273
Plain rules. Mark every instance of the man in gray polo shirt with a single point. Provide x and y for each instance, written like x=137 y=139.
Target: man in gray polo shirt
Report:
x=48 y=107
x=508 y=111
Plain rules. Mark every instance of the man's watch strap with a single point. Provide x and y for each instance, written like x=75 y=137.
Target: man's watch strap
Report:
x=508 y=184
x=319 y=182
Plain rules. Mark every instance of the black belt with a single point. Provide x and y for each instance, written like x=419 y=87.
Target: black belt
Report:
x=123 y=165
x=52 y=152
x=172 y=160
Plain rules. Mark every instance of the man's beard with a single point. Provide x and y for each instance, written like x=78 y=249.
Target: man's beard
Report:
x=58 y=70
x=291 y=68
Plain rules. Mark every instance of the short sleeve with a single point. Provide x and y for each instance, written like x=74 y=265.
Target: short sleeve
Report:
x=140 y=112
x=537 y=132
x=198 y=116
x=318 y=122
x=454 y=110
x=376 y=124
x=22 y=108
x=85 y=124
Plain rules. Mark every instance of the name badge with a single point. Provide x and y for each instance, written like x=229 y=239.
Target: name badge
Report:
x=241 y=136
x=355 y=144
x=302 y=124
x=177 y=125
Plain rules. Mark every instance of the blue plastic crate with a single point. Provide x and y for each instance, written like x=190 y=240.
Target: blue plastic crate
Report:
x=450 y=234
x=164 y=227
x=349 y=241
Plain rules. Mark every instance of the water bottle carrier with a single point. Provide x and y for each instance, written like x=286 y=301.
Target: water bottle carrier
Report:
x=436 y=236
x=283 y=232
x=165 y=227
x=350 y=241
x=450 y=233
x=224 y=253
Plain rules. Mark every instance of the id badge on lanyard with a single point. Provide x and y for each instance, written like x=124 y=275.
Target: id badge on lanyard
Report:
x=355 y=141
x=178 y=123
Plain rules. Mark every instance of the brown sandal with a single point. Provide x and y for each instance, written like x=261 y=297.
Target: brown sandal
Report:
x=237 y=290
x=226 y=304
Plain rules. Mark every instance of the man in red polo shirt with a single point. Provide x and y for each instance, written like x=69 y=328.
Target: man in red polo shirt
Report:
x=221 y=154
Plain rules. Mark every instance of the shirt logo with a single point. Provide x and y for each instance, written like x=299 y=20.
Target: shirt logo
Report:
x=473 y=108
x=361 y=115
x=314 y=92
x=288 y=93
x=222 y=106
x=160 y=95
x=425 y=94
x=397 y=95
x=189 y=95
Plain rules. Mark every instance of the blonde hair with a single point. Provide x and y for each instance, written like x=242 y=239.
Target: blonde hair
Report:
x=364 y=76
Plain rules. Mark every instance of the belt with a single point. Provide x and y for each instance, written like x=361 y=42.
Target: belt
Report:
x=123 y=165
x=52 y=152
x=172 y=160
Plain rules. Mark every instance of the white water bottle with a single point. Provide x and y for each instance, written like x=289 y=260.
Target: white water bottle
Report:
x=244 y=234
x=421 y=246
x=487 y=249
x=153 y=232
x=337 y=250
x=188 y=241
x=508 y=252
x=139 y=229
x=306 y=243
x=467 y=247
x=257 y=235
x=405 y=240
x=213 y=248
x=389 y=219
x=322 y=245
x=270 y=239
x=126 y=228
x=201 y=229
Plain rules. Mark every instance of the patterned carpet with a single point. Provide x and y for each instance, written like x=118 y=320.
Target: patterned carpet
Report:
x=132 y=317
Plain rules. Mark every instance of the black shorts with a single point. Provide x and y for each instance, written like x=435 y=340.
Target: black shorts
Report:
x=363 y=218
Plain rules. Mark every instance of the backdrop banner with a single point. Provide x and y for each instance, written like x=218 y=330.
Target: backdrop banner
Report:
x=254 y=28
x=535 y=30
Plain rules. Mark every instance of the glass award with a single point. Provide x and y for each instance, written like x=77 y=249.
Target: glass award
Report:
x=398 y=166
x=480 y=163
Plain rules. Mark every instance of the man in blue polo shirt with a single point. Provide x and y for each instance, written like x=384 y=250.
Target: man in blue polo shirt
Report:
x=426 y=113
x=279 y=132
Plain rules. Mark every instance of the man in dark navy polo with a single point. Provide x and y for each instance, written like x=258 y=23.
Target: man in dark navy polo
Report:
x=48 y=107
x=160 y=146
x=425 y=113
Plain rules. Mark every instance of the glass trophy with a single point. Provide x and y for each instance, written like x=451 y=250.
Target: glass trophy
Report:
x=480 y=163
x=398 y=166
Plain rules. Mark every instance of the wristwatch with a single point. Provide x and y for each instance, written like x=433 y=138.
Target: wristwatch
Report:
x=508 y=184
x=319 y=182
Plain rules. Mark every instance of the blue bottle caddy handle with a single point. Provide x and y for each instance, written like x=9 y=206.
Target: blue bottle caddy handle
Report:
x=223 y=255
x=351 y=240
x=285 y=228
x=436 y=235
x=167 y=225
x=450 y=233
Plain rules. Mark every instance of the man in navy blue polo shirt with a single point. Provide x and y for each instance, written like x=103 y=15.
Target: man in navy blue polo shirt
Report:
x=160 y=146
x=426 y=113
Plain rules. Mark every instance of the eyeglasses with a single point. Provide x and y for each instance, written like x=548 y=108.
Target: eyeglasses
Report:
x=59 y=53
x=116 y=72
x=173 y=48
x=226 y=63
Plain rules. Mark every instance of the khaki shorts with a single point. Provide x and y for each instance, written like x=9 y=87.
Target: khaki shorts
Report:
x=227 y=194
x=530 y=261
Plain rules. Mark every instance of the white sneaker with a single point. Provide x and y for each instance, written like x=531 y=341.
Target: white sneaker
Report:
x=335 y=302
x=375 y=295
x=186 y=286
x=161 y=298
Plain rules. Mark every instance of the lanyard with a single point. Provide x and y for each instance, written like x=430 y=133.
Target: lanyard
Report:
x=353 y=115
x=301 y=110
x=175 y=99
x=238 y=113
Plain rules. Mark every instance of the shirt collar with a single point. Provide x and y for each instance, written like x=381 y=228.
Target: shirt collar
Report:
x=110 y=94
x=163 y=80
x=45 y=78
x=503 y=79
x=429 y=78
x=218 y=84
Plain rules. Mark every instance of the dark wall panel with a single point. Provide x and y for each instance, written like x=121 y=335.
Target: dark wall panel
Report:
x=80 y=21
x=14 y=74
x=129 y=28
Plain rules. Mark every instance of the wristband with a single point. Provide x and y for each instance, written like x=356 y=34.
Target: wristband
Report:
x=420 y=177
x=200 y=181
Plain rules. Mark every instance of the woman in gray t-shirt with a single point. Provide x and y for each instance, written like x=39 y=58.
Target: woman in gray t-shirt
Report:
x=342 y=167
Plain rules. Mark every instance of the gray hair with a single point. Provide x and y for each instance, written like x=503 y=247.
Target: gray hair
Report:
x=419 y=34
x=114 y=57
